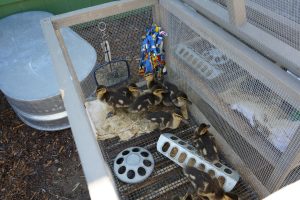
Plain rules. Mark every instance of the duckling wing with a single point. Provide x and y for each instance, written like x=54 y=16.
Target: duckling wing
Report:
x=119 y=100
x=158 y=117
x=208 y=147
x=124 y=91
x=171 y=87
x=142 y=102
x=167 y=100
x=199 y=179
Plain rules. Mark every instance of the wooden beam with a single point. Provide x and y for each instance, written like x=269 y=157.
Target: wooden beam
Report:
x=237 y=12
x=98 y=12
x=70 y=65
x=264 y=42
x=96 y=171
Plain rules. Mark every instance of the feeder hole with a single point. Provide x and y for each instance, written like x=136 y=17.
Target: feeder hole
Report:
x=211 y=172
x=191 y=162
x=130 y=174
x=147 y=163
x=174 y=152
x=204 y=68
x=121 y=170
x=182 y=142
x=209 y=72
x=182 y=157
x=219 y=165
x=201 y=167
x=124 y=153
x=185 y=54
x=174 y=138
x=120 y=160
x=141 y=171
x=190 y=148
x=145 y=154
x=166 y=147
x=228 y=171
x=181 y=51
x=136 y=150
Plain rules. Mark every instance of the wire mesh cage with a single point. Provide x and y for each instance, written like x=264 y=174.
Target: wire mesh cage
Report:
x=257 y=119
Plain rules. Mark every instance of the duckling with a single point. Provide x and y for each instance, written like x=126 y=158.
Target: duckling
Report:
x=188 y=196
x=167 y=100
x=205 y=143
x=206 y=186
x=143 y=102
x=182 y=101
x=131 y=91
x=166 y=119
x=113 y=99
x=172 y=89
x=151 y=83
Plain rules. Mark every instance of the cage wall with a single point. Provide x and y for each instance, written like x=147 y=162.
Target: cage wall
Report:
x=255 y=116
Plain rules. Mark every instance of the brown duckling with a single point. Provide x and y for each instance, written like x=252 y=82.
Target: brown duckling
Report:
x=113 y=99
x=182 y=101
x=205 y=143
x=173 y=90
x=143 y=102
x=151 y=83
x=131 y=91
x=166 y=119
x=206 y=186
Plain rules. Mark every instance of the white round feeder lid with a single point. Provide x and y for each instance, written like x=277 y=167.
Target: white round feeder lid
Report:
x=133 y=165
x=26 y=69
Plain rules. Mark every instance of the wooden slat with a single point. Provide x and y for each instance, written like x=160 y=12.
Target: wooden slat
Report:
x=272 y=47
x=70 y=65
x=237 y=12
x=96 y=171
x=100 y=11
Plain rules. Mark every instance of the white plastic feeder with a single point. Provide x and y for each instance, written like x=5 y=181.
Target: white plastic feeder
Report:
x=184 y=154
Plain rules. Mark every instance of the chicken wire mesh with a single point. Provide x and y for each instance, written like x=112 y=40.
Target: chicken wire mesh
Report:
x=279 y=18
x=123 y=33
x=256 y=118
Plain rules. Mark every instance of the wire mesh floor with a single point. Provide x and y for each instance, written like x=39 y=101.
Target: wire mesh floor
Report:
x=167 y=179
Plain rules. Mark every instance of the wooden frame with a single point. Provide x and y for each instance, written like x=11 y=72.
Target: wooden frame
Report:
x=274 y=48
x=237 y=12
x=97 y=173
x=100 y=11
x=246 y=57
x=96 y=170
